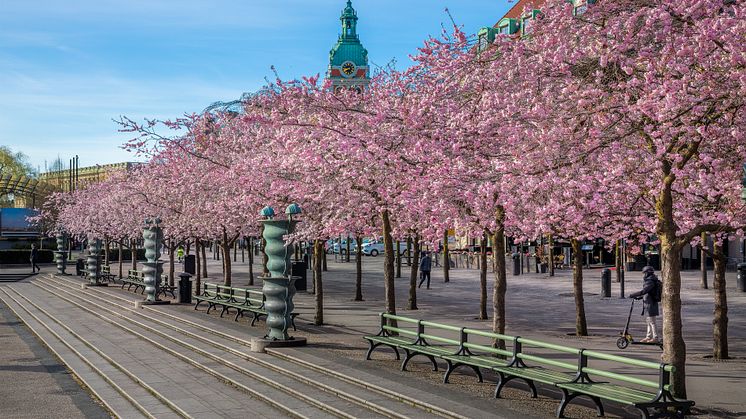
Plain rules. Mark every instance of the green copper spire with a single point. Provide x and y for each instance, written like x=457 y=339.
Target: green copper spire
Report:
x=349 y=23
x=348 y=60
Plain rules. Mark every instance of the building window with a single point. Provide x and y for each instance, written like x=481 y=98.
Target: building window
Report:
x=526 y=25
x=505 y=30
x=482 y=45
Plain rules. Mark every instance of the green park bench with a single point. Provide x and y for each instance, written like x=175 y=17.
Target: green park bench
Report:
x=532 y=362
x=241 y=299
x=136 y=279
x=106 y=274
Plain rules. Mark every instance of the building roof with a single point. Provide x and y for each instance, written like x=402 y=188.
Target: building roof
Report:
x=516 y=11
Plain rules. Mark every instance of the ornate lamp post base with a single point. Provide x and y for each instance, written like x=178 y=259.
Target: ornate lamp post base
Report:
x=156 y=303
x=260 y=344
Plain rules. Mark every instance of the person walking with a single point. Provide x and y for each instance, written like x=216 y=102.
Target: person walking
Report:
x=180 y=253
x=651 y=295
x=32 y=257
x=425 y=266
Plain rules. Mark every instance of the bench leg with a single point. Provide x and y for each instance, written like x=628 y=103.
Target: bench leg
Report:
x=452 y=367
x=239 y=312
x=292 y=323
x=254 y=319
x=371 y=347
x=198 y=303
x=643 y=413
x=567 y=398
x=411 y=355
x=224 y=310
x=210 y=306
x=599 y=406
x=503 y=380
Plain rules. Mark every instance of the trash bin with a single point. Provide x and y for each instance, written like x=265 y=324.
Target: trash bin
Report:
x=185 y=288
x=516 y=264
x=79 y=266
x=190 y=264
x=741 y=280
x=606 y=283
x=299 y=269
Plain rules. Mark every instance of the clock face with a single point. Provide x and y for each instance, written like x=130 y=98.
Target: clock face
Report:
x=348 y=68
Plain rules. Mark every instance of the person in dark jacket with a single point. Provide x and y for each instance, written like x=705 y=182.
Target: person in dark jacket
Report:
x=648 y=295
x=32 y=259
x=425 y=266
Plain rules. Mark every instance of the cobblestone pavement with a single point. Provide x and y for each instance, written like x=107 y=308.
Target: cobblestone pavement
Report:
x=538 y=307
x=30 y=373
x=541 y=307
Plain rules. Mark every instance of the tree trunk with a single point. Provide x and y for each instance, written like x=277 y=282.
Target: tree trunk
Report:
x=235 y=250
x=618 y=260
x=581 y=327
x=324 y=266
x=171 y=262
x=551 y=255
x=483 y=278
x=107 y=250
x=347 y=256
x=501 y=283
x=446 y=258
x=121 y=259
x=318 y=290
x=720 y=321
x=412 y=303
x=359 y=269
x=133 y=254
x=225 y=245
x=204 y=259
x=674 y=347
x=398 y=259
x=703 y=260
x=409 y=251
x=198 y=266
x=251 y=261
x=388 y=265
x=262 y=246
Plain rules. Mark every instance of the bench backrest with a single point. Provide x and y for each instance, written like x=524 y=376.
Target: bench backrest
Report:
x=664 y=370
x=520 y=353
x=249 y=297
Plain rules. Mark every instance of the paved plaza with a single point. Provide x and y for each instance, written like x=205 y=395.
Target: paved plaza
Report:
x=171 y=349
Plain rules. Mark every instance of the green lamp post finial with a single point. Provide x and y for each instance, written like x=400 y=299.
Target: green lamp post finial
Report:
x=292 y=209
x=267 y=212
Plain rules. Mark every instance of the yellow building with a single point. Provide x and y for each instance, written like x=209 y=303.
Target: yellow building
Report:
x=62 y=179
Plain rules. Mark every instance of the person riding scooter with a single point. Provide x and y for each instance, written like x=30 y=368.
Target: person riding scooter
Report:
x=651 y=295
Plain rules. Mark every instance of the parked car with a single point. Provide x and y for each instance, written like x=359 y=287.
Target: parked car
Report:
x=337 y=248
x=376 y=248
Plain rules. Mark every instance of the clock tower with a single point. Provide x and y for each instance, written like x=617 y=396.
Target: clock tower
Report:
x=348 y=60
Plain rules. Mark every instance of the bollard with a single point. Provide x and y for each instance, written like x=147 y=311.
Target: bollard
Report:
x=516 y=264
x=606 y=283
x=741 y=280
x=185 y=288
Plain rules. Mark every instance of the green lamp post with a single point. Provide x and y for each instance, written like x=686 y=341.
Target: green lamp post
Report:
x=279 y=285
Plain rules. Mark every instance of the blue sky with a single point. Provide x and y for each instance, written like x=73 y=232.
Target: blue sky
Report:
x=67 y=68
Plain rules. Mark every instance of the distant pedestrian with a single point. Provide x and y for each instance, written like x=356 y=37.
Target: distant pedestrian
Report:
x=180 y=253
x=34 y=255
x=650 y=294
x=425 y=265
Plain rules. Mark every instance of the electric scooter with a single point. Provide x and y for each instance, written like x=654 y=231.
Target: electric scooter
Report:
x=626 y=338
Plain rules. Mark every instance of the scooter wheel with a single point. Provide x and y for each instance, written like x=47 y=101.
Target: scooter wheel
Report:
x=622 y=343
